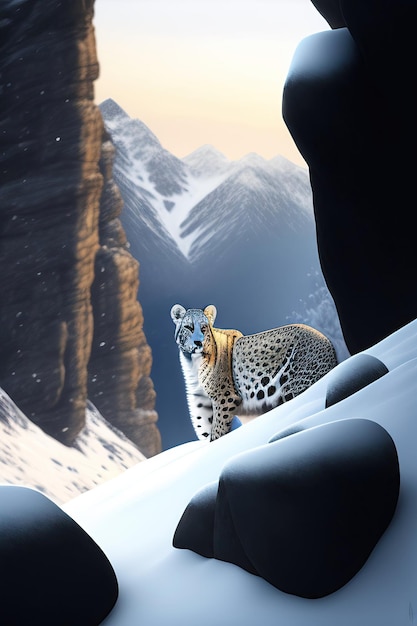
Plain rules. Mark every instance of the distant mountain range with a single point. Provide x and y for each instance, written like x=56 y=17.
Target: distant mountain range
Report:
x=206 y=230
x=182 y=202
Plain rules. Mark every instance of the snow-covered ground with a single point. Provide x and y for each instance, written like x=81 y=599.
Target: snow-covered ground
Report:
x=133 y=518
x=31 y=458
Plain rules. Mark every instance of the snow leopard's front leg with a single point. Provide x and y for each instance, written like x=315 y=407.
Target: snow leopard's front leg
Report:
x=224 y=411
x=199 y=404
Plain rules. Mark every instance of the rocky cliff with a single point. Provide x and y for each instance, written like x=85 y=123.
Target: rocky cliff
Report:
x=119 y=383
x=58 y=231
x=358 y=131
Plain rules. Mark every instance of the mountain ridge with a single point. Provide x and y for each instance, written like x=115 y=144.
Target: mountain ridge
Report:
x=168 y=189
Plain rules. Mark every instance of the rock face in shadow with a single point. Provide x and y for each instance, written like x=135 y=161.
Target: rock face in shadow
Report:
x=336 y=101
x=304 y=512
x=51 y=143
x=119 y=384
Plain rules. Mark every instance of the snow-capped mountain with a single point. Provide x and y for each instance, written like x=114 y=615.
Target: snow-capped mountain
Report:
x=145 y=172
x=207 y=162
x=182 y=201
x=256 y=201
x=158 y=167
x=207 y=230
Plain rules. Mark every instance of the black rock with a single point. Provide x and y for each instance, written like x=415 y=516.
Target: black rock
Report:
x=286 y=432
x=352 y=375
x=52 y=572
x=196 y=526
x=227 y=540
x=336 y=101
x=306 y=511
x=330 y=10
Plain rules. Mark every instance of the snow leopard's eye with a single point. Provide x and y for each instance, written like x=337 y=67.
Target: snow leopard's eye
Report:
x=189 y=327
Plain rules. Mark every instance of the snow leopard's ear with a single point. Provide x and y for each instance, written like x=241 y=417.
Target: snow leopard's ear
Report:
x=177 y=313
x=210 y=312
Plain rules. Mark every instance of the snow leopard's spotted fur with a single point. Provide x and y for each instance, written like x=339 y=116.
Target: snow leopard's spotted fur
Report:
x=229 y=374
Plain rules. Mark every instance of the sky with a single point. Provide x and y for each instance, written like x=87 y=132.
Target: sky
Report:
x=203 y=71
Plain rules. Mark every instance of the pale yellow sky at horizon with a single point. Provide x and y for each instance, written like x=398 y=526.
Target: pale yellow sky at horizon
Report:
x=203 y=72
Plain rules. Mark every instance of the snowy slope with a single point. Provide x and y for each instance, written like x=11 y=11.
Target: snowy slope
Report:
x=134 y=516
x=32 y=458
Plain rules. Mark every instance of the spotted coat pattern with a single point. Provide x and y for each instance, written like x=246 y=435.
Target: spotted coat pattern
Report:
x=229 y=374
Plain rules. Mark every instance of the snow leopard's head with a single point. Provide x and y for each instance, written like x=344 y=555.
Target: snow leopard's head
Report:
x=192 y=326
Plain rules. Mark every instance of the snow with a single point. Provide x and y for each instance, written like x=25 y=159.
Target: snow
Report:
x=199 y=188
x=207 y=160
x=31 y=458
x=133 y=518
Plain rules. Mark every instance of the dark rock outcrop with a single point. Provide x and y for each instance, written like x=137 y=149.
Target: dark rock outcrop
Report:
x=56 y=573
x=51 y=184
x=353 y=375
x=357 y=130
x=303 y=512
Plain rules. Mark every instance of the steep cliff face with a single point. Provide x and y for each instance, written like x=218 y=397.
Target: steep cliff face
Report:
x=336 y=101
x=120 y=364
x=51 y=185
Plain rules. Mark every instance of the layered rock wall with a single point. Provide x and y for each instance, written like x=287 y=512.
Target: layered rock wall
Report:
x=119 y=370
x=51 y=185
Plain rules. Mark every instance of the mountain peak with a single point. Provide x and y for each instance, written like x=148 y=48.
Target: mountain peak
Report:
x=206 y=150
x=110 y=109
x=253 y=160
x=134 y=133
x=207 y=160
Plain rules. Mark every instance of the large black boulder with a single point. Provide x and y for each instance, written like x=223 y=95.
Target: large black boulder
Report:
x=196 y=527
x=51 y=571
x=352 y=375
x=348 y=103
x=306 y=511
